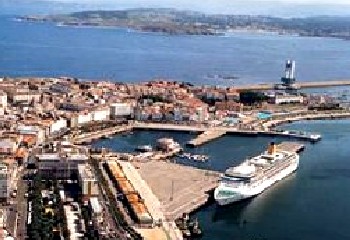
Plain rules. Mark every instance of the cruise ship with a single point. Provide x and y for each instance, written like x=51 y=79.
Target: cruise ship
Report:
x=254 y=175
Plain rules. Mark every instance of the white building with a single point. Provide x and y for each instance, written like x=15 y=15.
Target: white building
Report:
x=87 y=182
x=24 y=97
x=8 y=146
x=288 y=99
x=58 y=125
x=3 y=102
x=84 y=117
x=73 y=220
x=96 y=209
x=121 y=110
x=101 y=114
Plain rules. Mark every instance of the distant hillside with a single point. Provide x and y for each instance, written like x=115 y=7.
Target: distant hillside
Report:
x=172 y=21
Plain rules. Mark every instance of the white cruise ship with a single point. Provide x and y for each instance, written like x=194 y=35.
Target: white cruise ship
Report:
x=254 y=175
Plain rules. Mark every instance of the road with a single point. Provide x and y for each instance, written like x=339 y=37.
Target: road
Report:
x=22 y=206
x=16 y=211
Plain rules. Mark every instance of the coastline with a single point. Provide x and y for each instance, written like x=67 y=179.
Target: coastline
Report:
x=171 y=29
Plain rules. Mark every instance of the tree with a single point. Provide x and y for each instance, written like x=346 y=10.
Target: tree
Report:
x=252 y=98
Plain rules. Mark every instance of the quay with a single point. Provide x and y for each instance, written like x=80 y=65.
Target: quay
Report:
x=291 y=147
x=315 y=84
x=180 y=189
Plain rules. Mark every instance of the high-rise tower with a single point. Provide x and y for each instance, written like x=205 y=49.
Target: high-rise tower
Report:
x=289 y=78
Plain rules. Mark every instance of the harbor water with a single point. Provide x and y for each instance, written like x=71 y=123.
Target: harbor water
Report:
x=312 y=203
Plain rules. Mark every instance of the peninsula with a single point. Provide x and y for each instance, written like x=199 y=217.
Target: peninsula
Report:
x=174 y=22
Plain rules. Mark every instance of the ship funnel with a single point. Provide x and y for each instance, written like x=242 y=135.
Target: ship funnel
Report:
x=271 y=150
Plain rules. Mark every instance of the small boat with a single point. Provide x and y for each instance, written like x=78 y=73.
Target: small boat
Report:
x=144 y=148
x=195 y=230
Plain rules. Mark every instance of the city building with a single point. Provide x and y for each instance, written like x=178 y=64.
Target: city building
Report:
x=119 y=110
x=87 y=182
x=4 y=181
x=96 y=209
x=60 y=160
x=287 y=99
x=3 y=102
x=8 y=146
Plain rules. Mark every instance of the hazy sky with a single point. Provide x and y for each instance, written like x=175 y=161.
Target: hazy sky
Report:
x=206 y=1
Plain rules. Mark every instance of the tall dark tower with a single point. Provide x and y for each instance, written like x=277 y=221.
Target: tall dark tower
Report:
x=289 y=78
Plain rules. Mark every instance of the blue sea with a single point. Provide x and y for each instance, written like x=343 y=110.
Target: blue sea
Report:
x=31 y=49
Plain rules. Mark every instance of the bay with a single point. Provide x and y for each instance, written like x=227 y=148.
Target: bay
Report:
x=31 y=49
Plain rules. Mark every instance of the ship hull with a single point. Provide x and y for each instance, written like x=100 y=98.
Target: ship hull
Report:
x=239 y=194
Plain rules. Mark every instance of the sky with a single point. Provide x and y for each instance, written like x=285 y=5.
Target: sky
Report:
x=212 y=1
x=284 y=8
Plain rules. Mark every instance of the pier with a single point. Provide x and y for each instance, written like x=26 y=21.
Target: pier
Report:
x=205 y=137
x=219 y=131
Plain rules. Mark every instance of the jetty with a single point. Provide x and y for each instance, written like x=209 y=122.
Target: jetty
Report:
x=299 y=85
x=205 y=137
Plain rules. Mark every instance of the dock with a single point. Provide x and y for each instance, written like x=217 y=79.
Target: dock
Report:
x=180 y=189
x=205 y=137
x=216 y=132
x=291 y=147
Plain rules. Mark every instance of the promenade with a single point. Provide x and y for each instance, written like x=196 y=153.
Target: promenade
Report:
x=88 y=137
